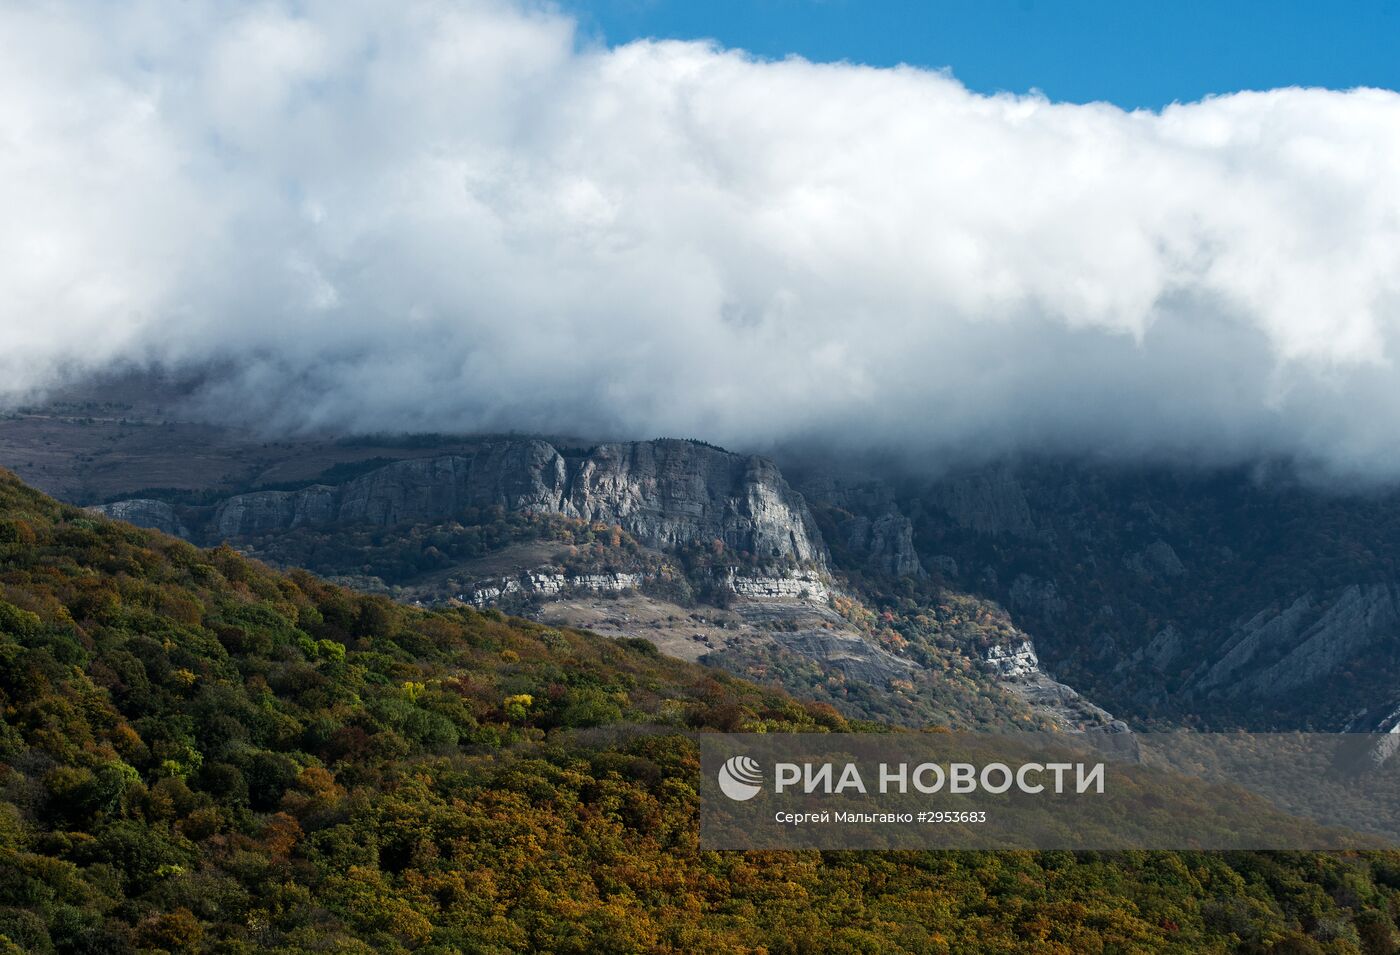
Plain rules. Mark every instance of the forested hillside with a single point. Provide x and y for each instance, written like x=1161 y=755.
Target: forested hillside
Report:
x=202 y=755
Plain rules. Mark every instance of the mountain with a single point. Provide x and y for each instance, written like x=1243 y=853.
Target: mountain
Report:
x=199 y=754
x=710 y=555
x=1210 y=598
x=664 y=493
x=1168 y=595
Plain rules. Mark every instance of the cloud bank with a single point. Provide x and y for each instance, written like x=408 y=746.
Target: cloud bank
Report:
x=458 y=216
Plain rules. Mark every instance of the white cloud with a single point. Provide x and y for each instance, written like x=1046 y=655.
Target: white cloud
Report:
x=456 y=217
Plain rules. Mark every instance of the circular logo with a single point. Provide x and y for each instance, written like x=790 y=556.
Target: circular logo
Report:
x=740 y=778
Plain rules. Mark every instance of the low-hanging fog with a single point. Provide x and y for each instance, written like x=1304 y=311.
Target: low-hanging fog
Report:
x=461 y=216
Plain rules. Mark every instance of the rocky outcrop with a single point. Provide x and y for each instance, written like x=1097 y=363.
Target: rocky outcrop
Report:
x=541 y=584
x=670 y=493
x=1273 y=654
x=1017 y=666
x=887 y=541
x=1381 y=739
x=157 y=515
x=248 y=515
x=665 y=493
x=865 y=523
x=525 y=475
x=514 y=475
x=797 y=586
x=1012 y=661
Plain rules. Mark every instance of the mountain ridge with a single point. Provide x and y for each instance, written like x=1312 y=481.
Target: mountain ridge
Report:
x=702 y=523
x=666 y=492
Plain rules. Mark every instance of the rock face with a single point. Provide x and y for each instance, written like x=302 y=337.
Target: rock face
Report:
x=888 y=543
x=1275 y=653
x=157 y=515
x=525 y=475
x=665 y=493
x=1013 y=661
x=514 y=475
x=537 y=584
x=866 y=522
x=670 y=493
x=1017 y=666
x=798 y=586
x=249 y=514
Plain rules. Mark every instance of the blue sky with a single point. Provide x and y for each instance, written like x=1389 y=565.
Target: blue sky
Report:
x=1132 y=53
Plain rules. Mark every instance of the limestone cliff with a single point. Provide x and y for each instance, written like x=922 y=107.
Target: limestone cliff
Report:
x=669 y=493
x=157 y=515
x=665 y=493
